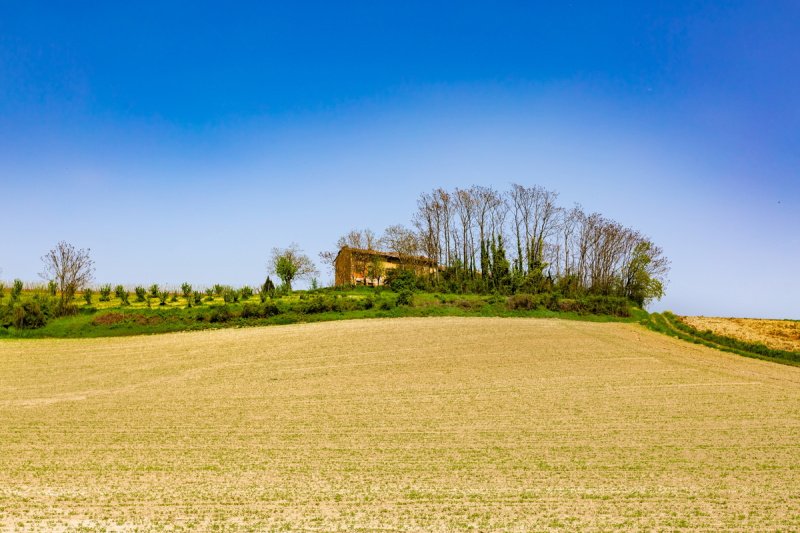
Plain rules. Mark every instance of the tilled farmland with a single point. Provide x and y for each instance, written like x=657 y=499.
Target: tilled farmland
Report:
x=431 y=424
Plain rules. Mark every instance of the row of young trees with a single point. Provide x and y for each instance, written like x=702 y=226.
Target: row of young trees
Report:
x=69 y=270
x=521 y=240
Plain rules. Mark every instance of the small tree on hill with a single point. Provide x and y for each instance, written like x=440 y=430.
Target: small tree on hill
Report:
x=105 y=292
x=290 y=264
x=70 y=268
x=16 y=290
x=141 y=293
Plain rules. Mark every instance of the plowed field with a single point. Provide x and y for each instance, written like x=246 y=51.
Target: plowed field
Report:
x=402 y=424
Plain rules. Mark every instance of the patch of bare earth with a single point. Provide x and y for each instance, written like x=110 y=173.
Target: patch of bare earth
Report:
x=432 y=424
x=777 y=334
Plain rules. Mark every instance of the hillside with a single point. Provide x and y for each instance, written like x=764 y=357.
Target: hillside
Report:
x=776 y=334
x=415 y=423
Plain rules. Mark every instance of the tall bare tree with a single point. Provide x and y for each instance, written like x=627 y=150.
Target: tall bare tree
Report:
x=404 y=243
x=70 y=268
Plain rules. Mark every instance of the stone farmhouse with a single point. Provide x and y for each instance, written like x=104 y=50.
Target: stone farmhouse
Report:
x=355 y=266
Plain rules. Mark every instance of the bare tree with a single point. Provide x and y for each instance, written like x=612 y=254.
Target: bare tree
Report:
x=70 y=268
x=520 y=202
x=403 y=242
x=465 y=209
x=487 y=202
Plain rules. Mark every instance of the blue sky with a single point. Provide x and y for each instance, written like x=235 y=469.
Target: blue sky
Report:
x=183 y=142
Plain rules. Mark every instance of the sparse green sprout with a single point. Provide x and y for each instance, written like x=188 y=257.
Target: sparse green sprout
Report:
x=16 y=290
x=87 y=295
x=314 y=284
x=230 y=295
x=141 y=293
x=105 y=293
x=186 y=289
x=163 y=296
x=154 y=291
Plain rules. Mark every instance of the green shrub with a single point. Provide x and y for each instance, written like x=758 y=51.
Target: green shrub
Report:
x=154 y=290
x=174 y=298
x=386 y=304
x=220 y=313
x=249 y=311
x=405 y=297
x=16 y=290
x=119 y=291
x=28 y=315
x=469 y=304
x=105 y=293
x=495 y=299
x=87 y=295
x=218 y=290
x=230 y=296
x=124 y=297
x=246 y=292
x=605 y=305
x=198 y=298
x=265 y=310
x=318 y=304
x=568 y=305
x=522 y=302
x=399 y=279
x=162 y=297
x=141 y=293
x=52 y=288
x=2 y=290
x=209 y=294
x=269 y=309
x=349 y=304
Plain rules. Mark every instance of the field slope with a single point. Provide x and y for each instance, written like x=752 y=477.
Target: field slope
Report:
x=417 y=424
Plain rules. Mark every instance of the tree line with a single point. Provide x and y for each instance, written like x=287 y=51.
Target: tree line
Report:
x=520 y=240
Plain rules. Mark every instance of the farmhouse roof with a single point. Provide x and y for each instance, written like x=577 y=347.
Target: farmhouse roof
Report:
x=386 y=254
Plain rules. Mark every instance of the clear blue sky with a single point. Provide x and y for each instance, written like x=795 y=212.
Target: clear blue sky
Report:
x=183 y=141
